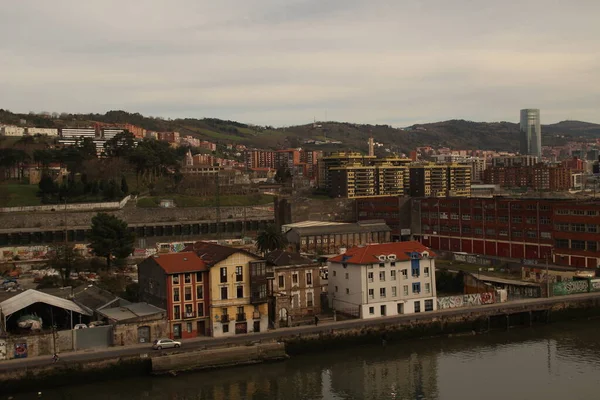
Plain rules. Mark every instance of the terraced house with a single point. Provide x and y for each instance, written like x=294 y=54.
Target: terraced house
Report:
x=237 y=289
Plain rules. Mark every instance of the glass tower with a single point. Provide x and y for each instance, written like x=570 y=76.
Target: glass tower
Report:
x=531 y=132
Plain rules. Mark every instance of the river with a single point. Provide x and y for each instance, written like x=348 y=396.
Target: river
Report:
x=559 y=361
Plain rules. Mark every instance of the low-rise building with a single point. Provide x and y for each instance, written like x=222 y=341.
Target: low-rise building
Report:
x=296 y=289
x=11 y=130
x=238 y=289
x=178 y=283
x=383 y=279
x=42 y=131
x=329 y=237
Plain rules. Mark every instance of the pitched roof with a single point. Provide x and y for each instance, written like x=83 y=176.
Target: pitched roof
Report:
x=89 y=296
x=212 y=253
x=283 y=258
x=318 y=228
x=175 y=263
x=31 y=296
x=370 y=253
x=131 y=311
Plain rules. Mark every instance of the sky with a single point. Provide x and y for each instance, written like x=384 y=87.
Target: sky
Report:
x=287 y=62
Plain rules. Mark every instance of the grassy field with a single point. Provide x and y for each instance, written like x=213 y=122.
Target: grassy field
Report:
x=18 y=195
x=192 y=201
x=474 y=268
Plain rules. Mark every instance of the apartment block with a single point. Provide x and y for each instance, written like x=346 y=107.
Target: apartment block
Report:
x=260 y=159
x=536 y=177
x=439 y=180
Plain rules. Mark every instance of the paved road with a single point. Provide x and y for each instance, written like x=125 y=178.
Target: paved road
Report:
x=324 y=326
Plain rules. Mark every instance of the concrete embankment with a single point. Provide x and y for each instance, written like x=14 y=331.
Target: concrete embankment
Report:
x=216 y=358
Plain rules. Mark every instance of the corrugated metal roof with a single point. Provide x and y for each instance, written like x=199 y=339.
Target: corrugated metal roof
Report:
x=332 y=228
x=31 y=296
x=130 y=311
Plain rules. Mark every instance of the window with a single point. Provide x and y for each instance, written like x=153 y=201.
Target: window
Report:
x=414 y=266
x=417 y=306
x=544 y=208
x=201 y=309
x=394 y=291
x=405 y=290
x=404 y=274
x=240 y=292
x=466 y=217
x=187 y=278
x=478 y=217
x=393 y=275
x=563 y=227
x=382 y=292
x=189 y=311
x=176 y=279
x=199 y=292
x=416 y=287
x=592 y=246
x=295 y=278
x=545 y=220
x=562 y=212
x=198 y=277
x=591 y=228
x=490 y=231
x=370 y=277
x=347 y=275
x=561 y=243
x=223 y=275
x=371 y=310
x=453 y=216
x=577 y=212
x=224 y=293
x=478 y=231
x=591 y=213
x=545 y=235
x=426 y=272
x=532 y=234
x=427 y=288
x=334 y=273
x=188 y=293
x=176 y=294
x=382 y=276
x=239 y=274
x=309 y=299
x=177 y=312
x=531 y=220
x=188 y=327
x=347 y=291
x=371 y=294
x=503 y=232
x=578 y=227
x=309 y=278
x=578 y=244
x=531 y=207
x=516 y=219
x=428 y=305
x=281 y=282
x=370 y=266
x=517 y=234
x=393 y=264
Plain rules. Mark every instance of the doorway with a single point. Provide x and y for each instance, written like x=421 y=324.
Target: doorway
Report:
x=400 y=308
x=177 y=331
x=144 y=334
x=201 y=328
x=382 y=308
x=256 y=326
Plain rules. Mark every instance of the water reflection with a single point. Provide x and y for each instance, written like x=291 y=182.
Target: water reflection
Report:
x=555 y=362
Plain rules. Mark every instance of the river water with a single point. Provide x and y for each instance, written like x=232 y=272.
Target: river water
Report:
x=559 y=361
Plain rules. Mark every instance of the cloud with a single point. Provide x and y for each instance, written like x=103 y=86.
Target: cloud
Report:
x=281 y=63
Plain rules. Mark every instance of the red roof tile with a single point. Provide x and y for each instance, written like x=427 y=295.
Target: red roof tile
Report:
x=212 y=253
x=368 y=254
x=175 y=263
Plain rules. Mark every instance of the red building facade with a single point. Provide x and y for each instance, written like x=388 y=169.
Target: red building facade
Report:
x=565 y=232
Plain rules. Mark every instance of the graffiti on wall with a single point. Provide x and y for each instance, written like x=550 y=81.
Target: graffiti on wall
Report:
x=523 y=292
x=571 y=287
x=20 y=350
x=471 y=259
x=3 y=355
x=466 y=300
x=594 y=285
x=23 y=252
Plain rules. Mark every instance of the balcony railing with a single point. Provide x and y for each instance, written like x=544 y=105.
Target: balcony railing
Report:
x=224 y=318
x=189 y=314
x=240 y=317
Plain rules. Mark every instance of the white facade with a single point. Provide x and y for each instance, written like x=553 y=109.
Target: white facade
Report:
x=386 y=288
x=78 y=132
x=11 y=130
x=42 y=131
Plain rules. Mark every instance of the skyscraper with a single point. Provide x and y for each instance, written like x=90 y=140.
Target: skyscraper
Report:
x=531 y=132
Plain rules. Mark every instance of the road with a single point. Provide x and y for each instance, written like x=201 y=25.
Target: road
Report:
x=324 y=327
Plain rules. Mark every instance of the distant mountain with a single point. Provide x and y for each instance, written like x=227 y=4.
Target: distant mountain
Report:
x=457 y=134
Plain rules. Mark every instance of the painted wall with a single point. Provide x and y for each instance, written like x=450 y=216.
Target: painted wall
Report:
x=573 y=287
x=231 y=303
x=467 y=300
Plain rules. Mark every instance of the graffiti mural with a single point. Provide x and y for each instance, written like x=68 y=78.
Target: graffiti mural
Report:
x=572 y=287
x=466 y=300
x=594 y=285
x=471 y=259
x=20 y=350
x=3 y=354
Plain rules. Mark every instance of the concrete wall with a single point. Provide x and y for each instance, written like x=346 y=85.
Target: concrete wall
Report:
x=218 y=357
x=131 y=215
x=69 y=207
x=467 y=300
x=304 y=209
x=38 y=345
x=127 y=334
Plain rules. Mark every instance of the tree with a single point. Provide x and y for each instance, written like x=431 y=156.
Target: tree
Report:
x=121 y=145
x=270 y=239
x=124 y=186
x=64 y=259
x=110 y=237
x=283 y=175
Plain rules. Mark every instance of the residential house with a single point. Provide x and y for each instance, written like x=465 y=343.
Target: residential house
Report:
x=178 y=283
x=379 y=280
x=296 y=289
x=238 y=289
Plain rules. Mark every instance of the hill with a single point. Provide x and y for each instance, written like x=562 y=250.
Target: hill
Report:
x=457 y=134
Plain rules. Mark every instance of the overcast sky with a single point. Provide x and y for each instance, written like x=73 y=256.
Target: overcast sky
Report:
x=282 y=62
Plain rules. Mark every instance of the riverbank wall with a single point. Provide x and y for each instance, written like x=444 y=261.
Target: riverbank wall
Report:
x=465 y=321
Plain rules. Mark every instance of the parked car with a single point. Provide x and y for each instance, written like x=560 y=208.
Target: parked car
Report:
x=160 y=344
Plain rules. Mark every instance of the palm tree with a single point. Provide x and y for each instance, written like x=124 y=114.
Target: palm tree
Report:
x=270 y=239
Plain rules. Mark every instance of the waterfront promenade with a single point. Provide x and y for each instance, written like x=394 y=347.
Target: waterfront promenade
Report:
x=279 y=334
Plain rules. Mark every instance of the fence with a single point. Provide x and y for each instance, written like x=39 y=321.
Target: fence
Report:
x=113 y=205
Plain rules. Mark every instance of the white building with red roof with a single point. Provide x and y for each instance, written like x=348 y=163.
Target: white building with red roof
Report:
x=377 y=280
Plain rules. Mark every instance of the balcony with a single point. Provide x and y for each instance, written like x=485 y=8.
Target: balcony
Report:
x=240 y=317
x=189 y=315
x=224 y=318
